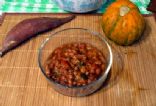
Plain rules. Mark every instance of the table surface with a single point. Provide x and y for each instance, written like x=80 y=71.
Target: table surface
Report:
x=131 y=82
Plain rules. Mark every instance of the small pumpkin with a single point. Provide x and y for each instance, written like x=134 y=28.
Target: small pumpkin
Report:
x=122 y=22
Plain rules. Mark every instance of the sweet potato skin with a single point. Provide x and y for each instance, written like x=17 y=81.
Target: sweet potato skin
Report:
x=29 y=28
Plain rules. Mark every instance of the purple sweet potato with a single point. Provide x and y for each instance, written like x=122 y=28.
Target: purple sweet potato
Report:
x=152 y=6
x=29 y=28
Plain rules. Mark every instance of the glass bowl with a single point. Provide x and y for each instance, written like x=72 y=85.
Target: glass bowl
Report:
x=71 y=35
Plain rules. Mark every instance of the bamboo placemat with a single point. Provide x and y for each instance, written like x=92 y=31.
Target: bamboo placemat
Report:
x=132 y=80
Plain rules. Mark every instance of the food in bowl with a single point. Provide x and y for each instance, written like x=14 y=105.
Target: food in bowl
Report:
x=75 y=64
x=78 y=36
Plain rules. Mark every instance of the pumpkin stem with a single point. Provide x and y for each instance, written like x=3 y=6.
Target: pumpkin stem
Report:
x=124 y=10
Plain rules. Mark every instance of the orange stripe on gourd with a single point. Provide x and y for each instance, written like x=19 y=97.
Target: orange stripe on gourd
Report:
x=134 y=32
x=111 y=21
x=120 y=27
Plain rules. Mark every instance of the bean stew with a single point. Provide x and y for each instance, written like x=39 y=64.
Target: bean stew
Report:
x=75 y=64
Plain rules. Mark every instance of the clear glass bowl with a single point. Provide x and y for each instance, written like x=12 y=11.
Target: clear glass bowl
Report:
x=71 y=35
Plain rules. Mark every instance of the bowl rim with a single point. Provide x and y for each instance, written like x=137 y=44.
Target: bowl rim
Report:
x=93 y=34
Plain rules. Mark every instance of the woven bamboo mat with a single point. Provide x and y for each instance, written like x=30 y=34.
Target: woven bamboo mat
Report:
x=131 y=82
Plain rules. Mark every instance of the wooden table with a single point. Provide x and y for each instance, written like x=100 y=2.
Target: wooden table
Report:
x=132 y=81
